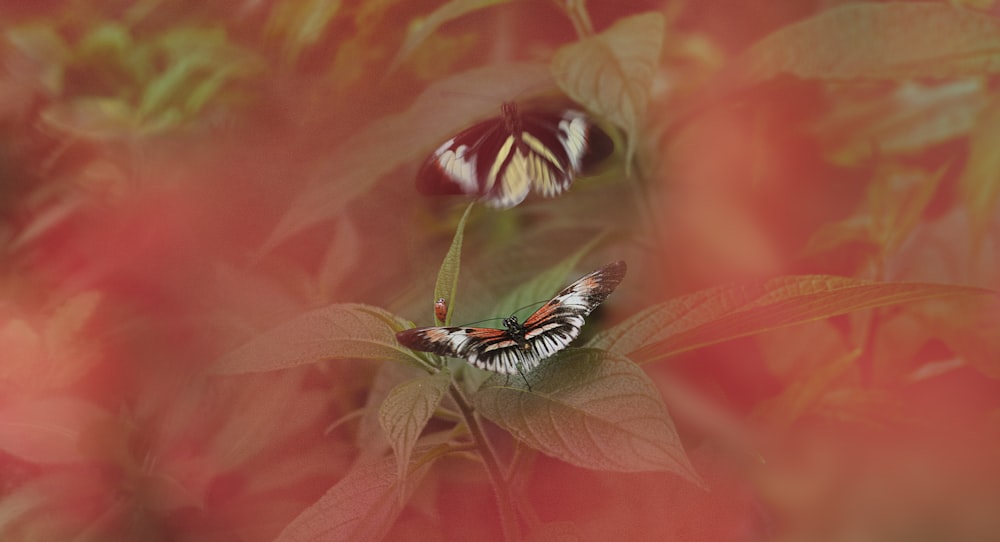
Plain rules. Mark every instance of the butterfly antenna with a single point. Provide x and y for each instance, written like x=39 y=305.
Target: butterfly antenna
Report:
x=535 y=304
x=479 y=322
x=500 y=319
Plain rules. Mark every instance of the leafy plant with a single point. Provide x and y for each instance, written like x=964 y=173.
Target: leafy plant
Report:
x=805 y=346
x=593 y=407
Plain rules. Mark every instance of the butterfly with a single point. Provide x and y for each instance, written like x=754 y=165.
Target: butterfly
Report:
x=522 y=346
x=502 y=159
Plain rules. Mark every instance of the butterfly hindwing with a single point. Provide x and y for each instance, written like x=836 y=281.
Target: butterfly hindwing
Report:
x=521 y=347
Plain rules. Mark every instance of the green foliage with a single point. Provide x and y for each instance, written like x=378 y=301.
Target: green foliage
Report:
x=383 y=145
x=362 y=506
x=46 y=431
x=594 y=408
x=301 y=24
x=340 y=331
x=590 y=408
x=447 y=280
x=422 y=28
x=728 y=312
x=890 y=213
x=612 y=73
x=406 y=411
x=137 y=85
x=879 y=40
x=980 y=183
x=544 y=284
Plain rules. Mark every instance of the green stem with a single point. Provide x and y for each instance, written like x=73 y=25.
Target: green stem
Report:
x=508 y=517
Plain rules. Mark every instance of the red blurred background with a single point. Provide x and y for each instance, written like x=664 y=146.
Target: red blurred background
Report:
x=149 y=150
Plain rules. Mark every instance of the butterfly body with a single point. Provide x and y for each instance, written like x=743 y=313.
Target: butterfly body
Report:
x=502 y=159
x=522 y=346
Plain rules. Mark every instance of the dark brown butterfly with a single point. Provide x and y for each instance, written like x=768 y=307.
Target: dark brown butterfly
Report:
x=502 y=159
x=520 y=347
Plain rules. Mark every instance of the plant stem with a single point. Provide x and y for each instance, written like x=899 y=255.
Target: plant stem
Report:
x=577 y=12
x=508 y=517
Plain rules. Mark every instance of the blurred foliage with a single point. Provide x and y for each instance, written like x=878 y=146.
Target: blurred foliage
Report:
x=108 y=85
x=210 y=237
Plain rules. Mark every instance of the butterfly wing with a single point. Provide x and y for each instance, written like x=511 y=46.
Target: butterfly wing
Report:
x=461 y=164
x=553 y=326
x=482 y=347
x=503 y=158
x=545 y=154
x=549 y=330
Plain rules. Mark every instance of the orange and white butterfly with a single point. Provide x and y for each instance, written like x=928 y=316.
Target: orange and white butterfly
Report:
x=502 y=159
x=521 y=347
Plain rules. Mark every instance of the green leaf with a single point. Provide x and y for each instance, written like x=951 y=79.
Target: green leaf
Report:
x=804 y=395
x=92 y=118
x=69 y=319
x=301 y=23
x=969 y=328
x=36 y=508
x=166 y=88
x=18 y=503
x=361 y=507
x=611 y=73
x=406 y=411
x=204 y=90
x=728 y=312
x=878 y=40
x=834 y=235
x=334 y=332
x=47 y=51
x=423 y=27
x=340 y=256
x=860 y=127
x=447 y=279
x=111 y=41
x=545 y=284
x=370 y=438
x=265 y=419
x=896 y=199
x=590 y=408
x=980 y=182
x=384 y=144
x=198 y=63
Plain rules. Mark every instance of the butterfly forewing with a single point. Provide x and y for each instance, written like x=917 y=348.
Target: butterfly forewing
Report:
x=521 y=347
x=553 y=326
x=579 y=299
x=458 y=166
